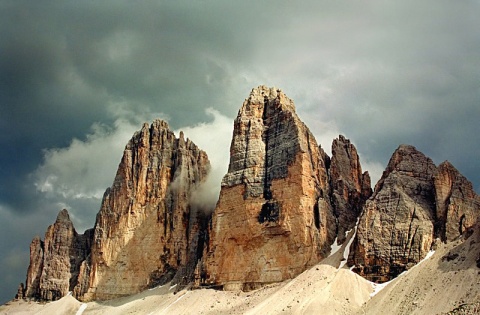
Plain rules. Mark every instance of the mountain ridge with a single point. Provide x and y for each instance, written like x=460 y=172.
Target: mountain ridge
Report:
x=282 y=205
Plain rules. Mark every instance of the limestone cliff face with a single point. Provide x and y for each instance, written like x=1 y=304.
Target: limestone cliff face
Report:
x=273 y=218
x=457 y=204
x=397 y=226
x=282 y=204
x=55 y=262
x=350 y=187
x=414 y=202
x=145 y=225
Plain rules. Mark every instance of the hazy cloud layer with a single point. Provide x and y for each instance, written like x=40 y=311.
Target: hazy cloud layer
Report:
x=77 y=78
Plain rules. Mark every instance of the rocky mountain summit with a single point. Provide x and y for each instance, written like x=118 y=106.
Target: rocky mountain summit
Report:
x=146 y=230
x=146 y=227
x=415 y=204
x=275 y=216
x=55 y=262
x=283 y=204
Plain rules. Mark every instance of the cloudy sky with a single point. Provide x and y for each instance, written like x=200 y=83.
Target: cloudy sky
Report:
x=77 y=78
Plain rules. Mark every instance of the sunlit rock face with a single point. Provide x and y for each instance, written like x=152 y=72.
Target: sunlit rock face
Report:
x=273 y=218
x=146 y=230
x=282 y=204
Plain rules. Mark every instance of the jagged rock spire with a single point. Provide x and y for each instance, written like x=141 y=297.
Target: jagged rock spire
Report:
x=145 y=230
x=350 y=187
x=457 y=204
x=55 y=262
x=273 y=218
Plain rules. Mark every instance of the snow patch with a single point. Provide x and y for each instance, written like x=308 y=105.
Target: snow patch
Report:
x=377 y=287
x=82 y=308
x=428 y=256
x=334 y=247
x=346 y=252
x=158 y=287
x=172 y=287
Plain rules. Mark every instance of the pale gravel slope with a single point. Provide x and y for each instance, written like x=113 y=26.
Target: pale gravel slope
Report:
x=435 y=286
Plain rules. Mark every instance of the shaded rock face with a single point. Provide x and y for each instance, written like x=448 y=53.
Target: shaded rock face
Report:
x=145 y=227
x=34 y=272
x=414 y=202
x=20 y=292
x=55 y=262
x=457 y=204
x=350 y=187
x=274 y=217
x=397 y=225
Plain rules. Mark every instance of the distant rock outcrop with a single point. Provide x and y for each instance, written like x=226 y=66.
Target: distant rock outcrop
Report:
x=413 y=203
x=20 y=292
x=457 y=204
x=55 y=262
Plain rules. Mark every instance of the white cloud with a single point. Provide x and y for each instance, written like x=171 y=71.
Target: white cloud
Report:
x=75 y=177
x=374 y=168
x=214 y=138
x=86 y=168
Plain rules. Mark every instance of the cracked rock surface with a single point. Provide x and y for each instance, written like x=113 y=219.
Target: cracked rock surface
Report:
x=274 y=218
x=396 y=228
x=414 y=203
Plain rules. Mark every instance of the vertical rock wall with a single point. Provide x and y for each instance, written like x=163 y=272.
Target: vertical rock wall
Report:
x=350 y=187
x=273 y=218
x=396 y=228
x=282 y=204
x=457 y=204
x=414 y=202
x=34 y=272
x=145 y=232
x=55 y=262
x=145 y=225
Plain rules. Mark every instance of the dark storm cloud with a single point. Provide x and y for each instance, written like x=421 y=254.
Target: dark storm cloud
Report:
x=77 y=78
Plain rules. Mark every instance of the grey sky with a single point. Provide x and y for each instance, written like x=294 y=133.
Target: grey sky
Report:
x=77 y=78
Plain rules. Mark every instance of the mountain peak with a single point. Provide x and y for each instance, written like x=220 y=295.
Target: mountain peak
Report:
x=282 y=205
x=63 y=216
